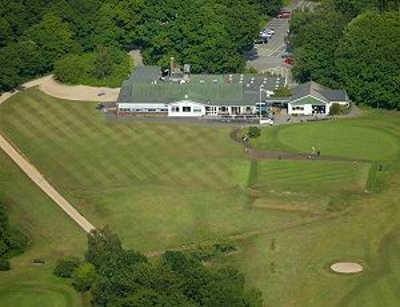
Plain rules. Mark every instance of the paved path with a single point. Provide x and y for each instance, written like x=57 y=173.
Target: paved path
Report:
x=42 y=183
x=36 y=82
x=53 y=88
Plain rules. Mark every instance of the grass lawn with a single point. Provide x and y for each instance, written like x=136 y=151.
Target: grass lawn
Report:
x=159 y=185
x=164 y=185
x=52 y=235
x=357 y=139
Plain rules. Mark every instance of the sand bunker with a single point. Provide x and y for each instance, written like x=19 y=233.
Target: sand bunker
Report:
x=346 y=267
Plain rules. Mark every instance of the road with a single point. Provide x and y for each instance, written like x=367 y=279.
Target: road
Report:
x=268 y=56
x=44 y=185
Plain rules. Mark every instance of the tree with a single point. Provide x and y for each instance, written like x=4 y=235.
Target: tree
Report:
x=254 y=132
x=53 y=37
x=367 y=59
x=316 y=37
x=283 y=91
x=83 y=277
x=66 y=267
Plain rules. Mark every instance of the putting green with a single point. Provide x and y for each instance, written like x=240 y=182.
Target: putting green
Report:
x=31 y=296
x=340 y=139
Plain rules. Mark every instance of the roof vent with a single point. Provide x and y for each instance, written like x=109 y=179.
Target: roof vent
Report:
x=202 y=81
x=215 y=80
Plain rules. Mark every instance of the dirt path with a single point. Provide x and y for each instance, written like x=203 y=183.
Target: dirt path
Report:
x=36 y=82
x=79 y=92
x=42 y=183
x=53 y=88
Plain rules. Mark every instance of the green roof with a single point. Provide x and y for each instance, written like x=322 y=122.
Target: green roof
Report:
x=308 y=100
x=145 y=86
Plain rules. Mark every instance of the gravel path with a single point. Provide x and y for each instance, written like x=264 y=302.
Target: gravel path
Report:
x=79 y=92
x=43 y=184
x=53 y=88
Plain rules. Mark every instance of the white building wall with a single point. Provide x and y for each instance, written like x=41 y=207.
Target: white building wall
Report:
x=293 y=109
x=186 y=108
x=135 y=107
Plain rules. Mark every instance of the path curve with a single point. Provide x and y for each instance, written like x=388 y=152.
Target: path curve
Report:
x=56 y=89
x=78 y=92
x=44 y=185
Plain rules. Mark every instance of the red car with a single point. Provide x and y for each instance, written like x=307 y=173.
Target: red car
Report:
x=289 y=61
x=284 y=14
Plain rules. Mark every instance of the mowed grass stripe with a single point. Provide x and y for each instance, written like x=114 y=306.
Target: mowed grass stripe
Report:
x=59 y=136
x=114 y=170
x=305 y=175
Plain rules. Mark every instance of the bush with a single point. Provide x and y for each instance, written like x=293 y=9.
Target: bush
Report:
x=104 y=67
x=83 y=277
x=66 y=267
x=283 y=91
x=337 y=109
x=4 y=265
x=254 y=132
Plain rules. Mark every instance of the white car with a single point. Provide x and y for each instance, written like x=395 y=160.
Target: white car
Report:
x=270 y=31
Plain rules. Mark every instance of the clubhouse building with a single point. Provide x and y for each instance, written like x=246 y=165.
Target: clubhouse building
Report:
x=148 y=92
x=311 y=98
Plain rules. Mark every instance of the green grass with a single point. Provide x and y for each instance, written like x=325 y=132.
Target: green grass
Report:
x=164 y=185
x=33 y=296
x=52 y=234
x=172 y=184
x=312 y=176
x=356 y=139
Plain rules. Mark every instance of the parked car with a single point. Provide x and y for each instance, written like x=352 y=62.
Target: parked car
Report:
x=284 y=14
x=289 y=61
x=261 y=40
x=269 y=31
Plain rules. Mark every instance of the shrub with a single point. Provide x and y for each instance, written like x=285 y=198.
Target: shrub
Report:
x=254 y=132
x=4 y=264
x=66 y=267
x=337 y=109
x=107 y=66
x=283 y=91
x=83 y=277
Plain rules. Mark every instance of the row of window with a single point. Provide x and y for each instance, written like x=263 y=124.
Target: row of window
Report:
x=186 y=109
x=298 y=108
x=143 y=110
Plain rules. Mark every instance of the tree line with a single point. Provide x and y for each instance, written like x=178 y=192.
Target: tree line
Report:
x=125 y=278
x=351 y=44
x=212 y=35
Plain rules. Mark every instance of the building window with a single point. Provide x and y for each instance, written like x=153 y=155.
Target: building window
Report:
x=298 y=108
x=163 y=110
x=196 y=109
x=223 y=109
x=175 y=109
x=186 y=109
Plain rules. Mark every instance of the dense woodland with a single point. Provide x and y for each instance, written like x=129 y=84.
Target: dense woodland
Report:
x=36 y=35
x=125 y=278
x=351 y=44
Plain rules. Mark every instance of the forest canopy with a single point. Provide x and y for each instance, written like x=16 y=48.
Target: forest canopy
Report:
x=120 y=277
x=351 y=44
x=212 y=35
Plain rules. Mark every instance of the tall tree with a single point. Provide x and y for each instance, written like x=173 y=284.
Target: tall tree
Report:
x=368 y=59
